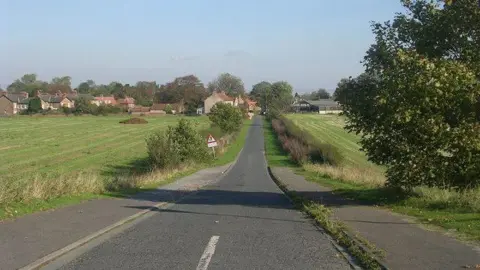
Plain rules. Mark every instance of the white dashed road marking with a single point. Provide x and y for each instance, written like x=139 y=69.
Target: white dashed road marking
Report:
x=208 y=253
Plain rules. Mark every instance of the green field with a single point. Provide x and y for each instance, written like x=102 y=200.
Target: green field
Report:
x=46 y=162
x=65 y=145
x=329 y=129
x=359 y=179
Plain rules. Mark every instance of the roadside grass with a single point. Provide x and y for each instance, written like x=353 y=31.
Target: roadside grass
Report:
x=113 y=174
x=276 y=156
x=358 y=179
x=235 y=146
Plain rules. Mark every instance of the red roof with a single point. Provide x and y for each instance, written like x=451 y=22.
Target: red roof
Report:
x=250 y=102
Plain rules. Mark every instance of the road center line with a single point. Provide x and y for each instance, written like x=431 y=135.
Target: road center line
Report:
x=208 y=253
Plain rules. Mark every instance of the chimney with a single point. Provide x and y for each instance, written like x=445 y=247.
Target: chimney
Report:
x=38 y=93
x=3 y=92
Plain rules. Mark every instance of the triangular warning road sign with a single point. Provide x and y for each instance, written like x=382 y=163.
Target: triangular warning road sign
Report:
x=210 y=139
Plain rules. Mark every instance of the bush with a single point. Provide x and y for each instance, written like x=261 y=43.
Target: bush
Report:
x=302 y=146
x=177 y=145
x=82 y=106
x=34 y=105
x=67 y=111
x=168 y=109
x=228 y=118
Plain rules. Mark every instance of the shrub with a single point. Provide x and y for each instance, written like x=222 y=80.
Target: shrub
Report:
x=34 y=105
x=302 y=146
x=168 y=109
x=226 y=117
x=298 y=151
x=67 y=111
x=176 y=145
x=99 y=110
x=82 y=106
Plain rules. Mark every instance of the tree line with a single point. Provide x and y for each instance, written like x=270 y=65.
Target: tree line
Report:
x=417 y=105
x=188 y=90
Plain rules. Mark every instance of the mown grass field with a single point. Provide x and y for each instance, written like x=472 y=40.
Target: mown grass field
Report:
x=330 y=129
x=55 y=152
x=64 y=145
x=360 y=179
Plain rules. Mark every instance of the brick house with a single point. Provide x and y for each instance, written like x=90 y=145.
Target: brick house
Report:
x=55 y=102
x=101 y=100
x=11 y=104
x=250 y=104
x=74 y=95
x=217 y=97
x=127 y=103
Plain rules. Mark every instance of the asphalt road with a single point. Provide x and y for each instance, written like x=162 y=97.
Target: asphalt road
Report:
x=244 y=221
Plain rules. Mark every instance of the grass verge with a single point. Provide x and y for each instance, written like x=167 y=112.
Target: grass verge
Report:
x=358 y=179
x=361 y=249
x=235 y=146
x=435 y=208
x=127 y=185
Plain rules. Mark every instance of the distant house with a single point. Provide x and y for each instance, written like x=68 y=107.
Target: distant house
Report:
x=177 y=107
x=321 y=106
x=74 y=95
x=250 y=104
x=13 y=103
x=55 y=102
x=127 y=103
x=101 y=100
x=217 y=97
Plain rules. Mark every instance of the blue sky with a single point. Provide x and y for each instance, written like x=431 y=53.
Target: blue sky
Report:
x=309 y=43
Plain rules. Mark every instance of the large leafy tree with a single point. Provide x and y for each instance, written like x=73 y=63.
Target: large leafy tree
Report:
x=321 y=93
x=259 y=91
x=227 y=117
x=60 y=84
x=187 y=89
x=279 y=99
x=28 y=83
x=232 y=85
x=417 y=105
x=86 y=87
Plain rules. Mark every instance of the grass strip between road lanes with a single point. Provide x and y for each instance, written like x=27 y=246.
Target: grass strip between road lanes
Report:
x=365 y=252
x=148 y=181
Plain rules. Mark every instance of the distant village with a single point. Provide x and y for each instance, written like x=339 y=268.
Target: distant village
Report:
x=15 y=103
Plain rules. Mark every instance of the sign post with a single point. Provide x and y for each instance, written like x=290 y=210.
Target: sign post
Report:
x=211 y=143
